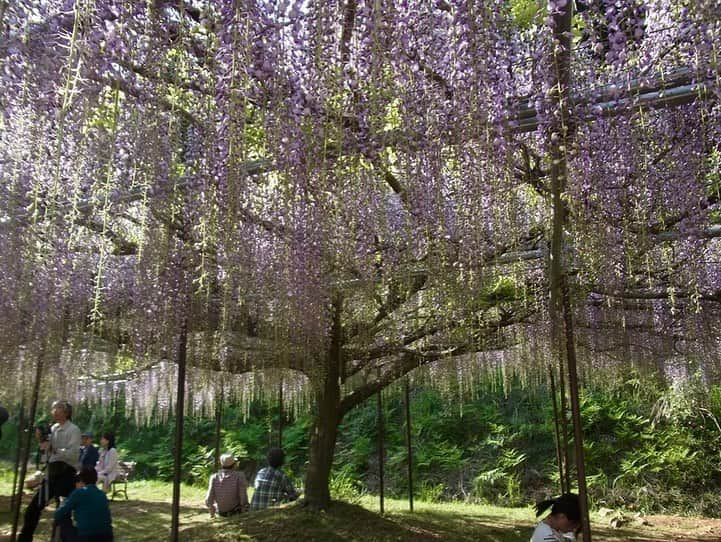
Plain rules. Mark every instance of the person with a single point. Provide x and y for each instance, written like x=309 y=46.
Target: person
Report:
x=64 y=450
x=42 y=437
x=562 y=523
x=88 y=452
x=272 y=485
x=91 y=511
x=107 y=465
x=227 y=490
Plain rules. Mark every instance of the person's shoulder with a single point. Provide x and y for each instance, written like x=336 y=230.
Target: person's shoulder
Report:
x=94 y=491
x=543 y=533
x=70 y=426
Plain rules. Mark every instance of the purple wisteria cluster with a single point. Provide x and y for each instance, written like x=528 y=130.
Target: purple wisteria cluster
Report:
x=239 y=169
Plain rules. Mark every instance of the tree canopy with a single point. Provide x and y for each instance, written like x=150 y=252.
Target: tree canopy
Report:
x=353 y=189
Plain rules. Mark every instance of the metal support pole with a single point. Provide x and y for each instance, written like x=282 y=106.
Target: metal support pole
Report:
x=381 y=449
x=559 y=136
x=179 y=419
x=280 y=413
x=409 y=445
x=218 y=427
x=576 y=411
x=557 y=432
x=21 y=433
x=28 y=439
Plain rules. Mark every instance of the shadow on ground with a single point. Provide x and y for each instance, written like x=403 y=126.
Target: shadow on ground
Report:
x=146 y=521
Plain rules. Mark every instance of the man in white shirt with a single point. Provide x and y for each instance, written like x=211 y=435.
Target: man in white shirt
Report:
x=64 y=451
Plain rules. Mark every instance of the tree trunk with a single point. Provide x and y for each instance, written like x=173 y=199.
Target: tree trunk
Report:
x=328 y=416
x=322 y=445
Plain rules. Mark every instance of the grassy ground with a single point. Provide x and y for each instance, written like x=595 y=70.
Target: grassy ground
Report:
x=146 y=517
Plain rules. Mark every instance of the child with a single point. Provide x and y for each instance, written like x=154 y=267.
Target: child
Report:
x=563 y=521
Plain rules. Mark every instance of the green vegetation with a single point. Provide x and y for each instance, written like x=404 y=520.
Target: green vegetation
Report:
x=146 y=517
x=648 y=448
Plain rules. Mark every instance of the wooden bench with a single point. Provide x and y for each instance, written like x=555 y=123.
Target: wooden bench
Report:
x=125 y=471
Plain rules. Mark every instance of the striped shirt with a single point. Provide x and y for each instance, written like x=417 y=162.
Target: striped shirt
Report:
x=272 y=487
x=227 y=491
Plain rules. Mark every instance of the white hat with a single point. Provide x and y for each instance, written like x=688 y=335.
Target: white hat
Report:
x=227 y=460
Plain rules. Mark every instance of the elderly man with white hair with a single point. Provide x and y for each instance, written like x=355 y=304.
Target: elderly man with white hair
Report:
x=63 y=462
x=227 y=490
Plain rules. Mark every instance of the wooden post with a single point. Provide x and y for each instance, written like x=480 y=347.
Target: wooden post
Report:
x=280 y=413
x=18 y=452
x=559 y=136
x=218 y=427
x=564 y=419
x=179 y=419
x=28 y=440
x=381 y=447
x=409 y=445
x=576 y=411
x=557 y=432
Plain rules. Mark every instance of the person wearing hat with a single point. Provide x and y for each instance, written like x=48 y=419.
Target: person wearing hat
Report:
x=227 y=490
x=89 y=454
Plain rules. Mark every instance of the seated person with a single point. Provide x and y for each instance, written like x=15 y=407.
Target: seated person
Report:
x=562 y=523
x=272 y=485
x=227 y=490
x=107 y=465
x=88 y=452
x=89 y=506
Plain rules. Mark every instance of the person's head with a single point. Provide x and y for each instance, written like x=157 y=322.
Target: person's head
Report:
x=86 y=477
x=62 y=411
x=107 y=440
x=565 y=513
x=227 y=461
x=86 y=439
x=276 y=457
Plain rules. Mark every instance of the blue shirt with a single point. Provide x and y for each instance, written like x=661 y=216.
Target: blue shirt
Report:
x=89 y=455
x=90 y=509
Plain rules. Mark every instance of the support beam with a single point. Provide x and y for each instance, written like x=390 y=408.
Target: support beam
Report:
x=29 y=435
x=558 y=136
x=409 y=442
x=381 y=449
x=560 y=456
x=179 y=418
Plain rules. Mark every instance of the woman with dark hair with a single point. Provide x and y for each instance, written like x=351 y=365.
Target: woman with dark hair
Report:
x=107 y=465
x=563 y=521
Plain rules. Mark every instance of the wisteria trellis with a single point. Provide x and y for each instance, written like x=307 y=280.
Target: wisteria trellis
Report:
x=328 y=184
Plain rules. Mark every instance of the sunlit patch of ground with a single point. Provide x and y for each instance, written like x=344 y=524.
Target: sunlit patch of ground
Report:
x=146 y=517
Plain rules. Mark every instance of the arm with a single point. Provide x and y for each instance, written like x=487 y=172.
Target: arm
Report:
x=243 y=491
x=210 y=496
x=288 y=488
x=66 y=509
x=111 y=461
